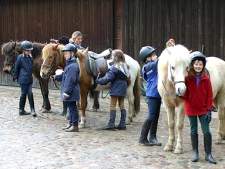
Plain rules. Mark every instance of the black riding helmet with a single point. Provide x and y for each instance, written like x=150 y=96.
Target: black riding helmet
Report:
x=145 y=52
x=70 y=47
x=26 y=45
x=196 y=55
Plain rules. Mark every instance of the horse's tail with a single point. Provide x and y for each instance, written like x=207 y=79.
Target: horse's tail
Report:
x=137 y=92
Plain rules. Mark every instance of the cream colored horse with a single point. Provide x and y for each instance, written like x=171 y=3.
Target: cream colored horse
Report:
x=172 y=69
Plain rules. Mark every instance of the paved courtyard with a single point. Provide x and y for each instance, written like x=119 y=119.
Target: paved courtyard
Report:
x=39 y=143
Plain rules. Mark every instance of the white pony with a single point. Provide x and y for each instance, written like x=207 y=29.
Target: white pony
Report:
x=172 y=69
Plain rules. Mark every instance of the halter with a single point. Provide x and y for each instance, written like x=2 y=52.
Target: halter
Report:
x=51 y=66
x=172 y=78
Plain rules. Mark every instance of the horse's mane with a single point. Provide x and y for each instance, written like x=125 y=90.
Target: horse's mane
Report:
x=51 y=48
x=15 y=45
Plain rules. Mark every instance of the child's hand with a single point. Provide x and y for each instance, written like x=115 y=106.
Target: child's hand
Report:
x=65 y=96
x=209 y=116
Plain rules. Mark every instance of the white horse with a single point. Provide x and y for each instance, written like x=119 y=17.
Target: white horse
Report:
x=172 y=69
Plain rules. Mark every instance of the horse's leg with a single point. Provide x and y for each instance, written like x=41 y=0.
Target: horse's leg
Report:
x=46 y=106
x=96 y=102
x=221 y=124
x=170 y=117
x=83 y=104
x=131 y=110
x=179 y=127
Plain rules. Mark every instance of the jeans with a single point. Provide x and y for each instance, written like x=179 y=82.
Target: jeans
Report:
x=194 y=124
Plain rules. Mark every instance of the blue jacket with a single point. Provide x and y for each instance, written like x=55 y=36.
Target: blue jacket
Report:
x=23 y=69
x=150 y=74
x=118 y=81
x=70 y=80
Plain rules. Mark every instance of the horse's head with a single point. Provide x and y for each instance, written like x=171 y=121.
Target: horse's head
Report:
x=10 y=50
x=52 y=57
x=178 y=65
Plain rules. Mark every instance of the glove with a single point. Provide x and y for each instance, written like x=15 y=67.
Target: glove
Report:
x=209 y=116
x=65 y=96
x=58 y=72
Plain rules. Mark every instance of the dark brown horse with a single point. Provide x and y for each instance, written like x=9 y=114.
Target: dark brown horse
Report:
x=11 y=49
x=53 y=58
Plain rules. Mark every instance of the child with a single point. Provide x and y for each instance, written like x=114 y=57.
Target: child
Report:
x=23 y=74
x=70 y=89
x=150 y=74
x=198 y=103
x=118 y=75
x=76 y=39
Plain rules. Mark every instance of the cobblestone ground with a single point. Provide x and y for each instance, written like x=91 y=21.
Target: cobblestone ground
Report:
x=39 y=143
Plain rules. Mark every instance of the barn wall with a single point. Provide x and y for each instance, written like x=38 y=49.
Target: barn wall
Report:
x=191 y=22
x=40 y=20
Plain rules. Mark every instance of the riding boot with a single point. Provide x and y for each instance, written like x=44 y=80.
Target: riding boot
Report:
x=194 y=142
x=22 y=105
x=111 y=123
x=208 y=148
x=31 y=101
x=153 y=130
x=73 y=128
x=64 y=112
x=144 y=133
x=122 y=124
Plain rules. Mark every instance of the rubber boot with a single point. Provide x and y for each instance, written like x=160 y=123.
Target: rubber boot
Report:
x=144 y=133
x=208 y=148
x=111 y=123
x=31 y=101
x=194 y=142
x=153 y=130
x=22 y=103
x=122 y=124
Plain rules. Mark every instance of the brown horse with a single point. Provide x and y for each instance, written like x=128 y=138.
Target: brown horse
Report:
x=11 y=49
x=53 y=58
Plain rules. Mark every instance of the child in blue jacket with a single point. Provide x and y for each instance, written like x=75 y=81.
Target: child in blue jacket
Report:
x=118 y=75
x=23 y=74
x=70 y=89
x=150 y=74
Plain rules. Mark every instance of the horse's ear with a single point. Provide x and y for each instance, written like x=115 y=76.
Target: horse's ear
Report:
x=86 y=51
x=55 y=47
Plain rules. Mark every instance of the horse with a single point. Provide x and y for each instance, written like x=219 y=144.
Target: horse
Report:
x=11 y=50
x=173 y=66
x=53 y=58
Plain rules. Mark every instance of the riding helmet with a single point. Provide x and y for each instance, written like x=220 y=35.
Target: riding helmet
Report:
x=145 y=52
x=26 y=45
x=70 y=47
x=196 y=55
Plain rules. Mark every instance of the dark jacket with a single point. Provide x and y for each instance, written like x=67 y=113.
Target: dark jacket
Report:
x=23 y=69
x=198 y=97
x=118 y=81
x=150 y=74
x=70 y=81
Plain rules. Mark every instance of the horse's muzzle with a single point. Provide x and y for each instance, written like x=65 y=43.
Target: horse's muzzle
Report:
x=7 y=69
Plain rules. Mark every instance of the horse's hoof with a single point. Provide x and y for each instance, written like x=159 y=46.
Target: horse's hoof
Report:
x=82 y=125
x=178 y=151
x=168 y=148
